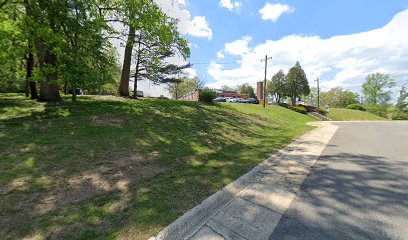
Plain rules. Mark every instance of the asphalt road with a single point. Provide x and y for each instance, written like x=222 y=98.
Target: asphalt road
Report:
x=358 y=188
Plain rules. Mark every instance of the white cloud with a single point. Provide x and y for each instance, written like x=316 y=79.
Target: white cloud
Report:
x=274 y=11
x=196 y=26
x=340 y=60
x=228 y=4
x=238 y=47
x=220 y=55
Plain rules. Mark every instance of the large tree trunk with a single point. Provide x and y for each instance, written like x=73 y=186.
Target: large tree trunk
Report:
x=127 y=61
x=49 y=90
x=31 y=86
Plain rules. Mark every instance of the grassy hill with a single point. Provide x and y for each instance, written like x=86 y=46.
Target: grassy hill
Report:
x=107 y=167
x=337 y=114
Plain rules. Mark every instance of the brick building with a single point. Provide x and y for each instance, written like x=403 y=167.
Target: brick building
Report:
x=260 y=90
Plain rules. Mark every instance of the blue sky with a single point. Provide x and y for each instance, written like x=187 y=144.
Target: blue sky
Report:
x=338 y=41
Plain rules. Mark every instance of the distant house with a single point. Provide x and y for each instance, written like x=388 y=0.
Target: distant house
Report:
x=193 y=96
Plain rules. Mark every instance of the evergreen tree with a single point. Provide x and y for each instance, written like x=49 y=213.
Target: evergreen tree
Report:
x=296 y=83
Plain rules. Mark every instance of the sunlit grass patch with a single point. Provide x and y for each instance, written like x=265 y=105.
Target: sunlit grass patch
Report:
x=108 y=167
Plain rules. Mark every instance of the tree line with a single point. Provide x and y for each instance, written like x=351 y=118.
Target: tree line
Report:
x=376 y=93
x=52 y=45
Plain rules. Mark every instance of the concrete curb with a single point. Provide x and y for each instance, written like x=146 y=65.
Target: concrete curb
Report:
x=188 y=224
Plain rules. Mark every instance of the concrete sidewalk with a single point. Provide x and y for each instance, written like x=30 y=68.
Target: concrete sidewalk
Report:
x=251 y=207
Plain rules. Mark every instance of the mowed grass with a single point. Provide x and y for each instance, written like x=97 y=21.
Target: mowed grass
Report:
x=105 y=168
x=337 y=114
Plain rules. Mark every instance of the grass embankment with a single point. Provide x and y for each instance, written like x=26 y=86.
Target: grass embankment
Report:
x=124 y=168
x=337 y=114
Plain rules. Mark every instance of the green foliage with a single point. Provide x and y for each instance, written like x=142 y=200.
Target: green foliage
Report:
x=399 y=115
x=296 y=83
x=314 y=109
x=285 y=105
x=277 y=86
x=207 y=95
x=184 y=86
x=379 y=110
x=401 y=108
x=182 y=149
x=356 y=107
x=299 y=109
x=338 y=98
x=70 y=41
x=156 y=40
x=246 y=89
x=376 y=89
x=402 y=102
x=12 y=49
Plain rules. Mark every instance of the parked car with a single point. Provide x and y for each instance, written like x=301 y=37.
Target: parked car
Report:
x=253 y=101
x=228 y=99
x=234 y=100
x=239 y=100
x=220 y=99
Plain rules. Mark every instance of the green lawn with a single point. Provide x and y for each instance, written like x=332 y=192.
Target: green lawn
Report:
x=337 y=114
x=107 y=168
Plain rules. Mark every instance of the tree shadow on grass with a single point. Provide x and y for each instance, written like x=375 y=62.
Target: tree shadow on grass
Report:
x=103 y=169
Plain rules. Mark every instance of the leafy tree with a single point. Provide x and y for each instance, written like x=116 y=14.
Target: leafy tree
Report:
x=338 y=97
x=376 y=89
x=184 y=86
x=207 y=95
x=402 y=102
x=246 y=89
x=296 y=83
x=276 y=87
x=155 y=36
x=132 y=14
x=86 y=54
x=401 y=108
x=152 y=54
x=12 y=49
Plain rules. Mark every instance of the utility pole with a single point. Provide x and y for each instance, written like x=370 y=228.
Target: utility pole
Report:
x=266 y=67
x=318 y=92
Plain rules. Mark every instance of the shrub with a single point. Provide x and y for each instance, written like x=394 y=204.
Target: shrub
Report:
x=299 y=109
x=356 y=107
x=400 y=115
x=314 y=109
x=379 y=110
x=207 y=95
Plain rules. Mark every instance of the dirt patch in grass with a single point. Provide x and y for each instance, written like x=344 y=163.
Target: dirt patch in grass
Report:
x=107 y=121
x=116 y=176
x=104 y=169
